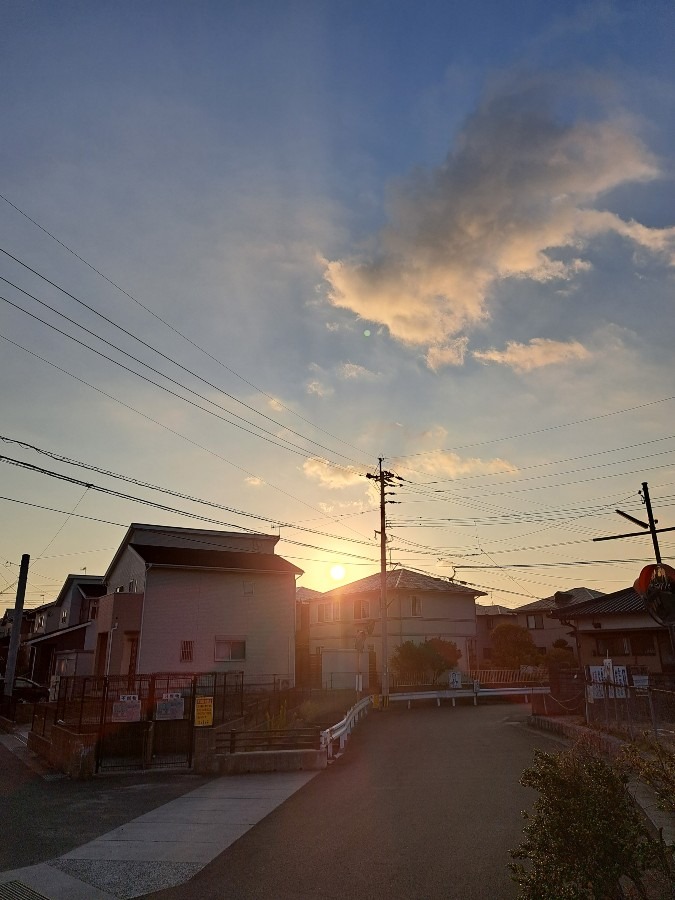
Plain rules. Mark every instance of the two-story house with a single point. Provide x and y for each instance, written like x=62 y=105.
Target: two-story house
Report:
x=63 y=640
x=419 y=607
x=197 y=600
x=540 y=617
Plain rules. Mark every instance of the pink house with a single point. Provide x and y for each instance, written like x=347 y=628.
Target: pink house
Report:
x=194 y=600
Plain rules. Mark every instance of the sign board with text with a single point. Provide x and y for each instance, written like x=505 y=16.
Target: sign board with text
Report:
x=203 y=712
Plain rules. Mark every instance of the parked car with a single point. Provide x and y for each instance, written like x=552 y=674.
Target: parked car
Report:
x=26 y=690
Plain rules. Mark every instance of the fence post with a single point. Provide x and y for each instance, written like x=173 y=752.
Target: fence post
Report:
x=652 y=713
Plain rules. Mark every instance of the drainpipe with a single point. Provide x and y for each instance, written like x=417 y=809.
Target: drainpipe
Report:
x=109 y=649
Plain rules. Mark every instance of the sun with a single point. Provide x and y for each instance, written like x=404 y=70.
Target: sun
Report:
x=337 y=573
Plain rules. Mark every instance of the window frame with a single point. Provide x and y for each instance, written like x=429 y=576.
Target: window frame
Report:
x=229 y=640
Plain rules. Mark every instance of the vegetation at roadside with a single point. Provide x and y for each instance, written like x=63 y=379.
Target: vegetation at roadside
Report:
x=585 y=833
x=431 y=658
x=513 y=647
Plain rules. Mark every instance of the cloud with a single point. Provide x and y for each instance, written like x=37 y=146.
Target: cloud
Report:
x=354 y=371
x=331 y=476
x=254 y=481
x=319 y=389
x=450 y=465
x=537 y=353
x=451 y=353
x=518 y=188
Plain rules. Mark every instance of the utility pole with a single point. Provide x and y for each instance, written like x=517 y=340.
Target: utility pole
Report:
x=15 y=637
x=384 y=478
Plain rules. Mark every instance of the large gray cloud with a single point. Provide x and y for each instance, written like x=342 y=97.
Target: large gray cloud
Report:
x=519 y=184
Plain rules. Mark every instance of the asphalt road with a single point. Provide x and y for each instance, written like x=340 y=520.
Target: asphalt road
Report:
x=424 y=804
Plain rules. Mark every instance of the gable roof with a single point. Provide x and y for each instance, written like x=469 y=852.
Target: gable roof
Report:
x=89 y=585
x=627 y=600
x=303 y=594
x=240 y=561
x=559 y=600
x=402 y=580
x=494 y=609
x=197 y=537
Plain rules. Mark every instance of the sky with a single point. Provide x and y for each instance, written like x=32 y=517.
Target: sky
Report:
x=249 y=249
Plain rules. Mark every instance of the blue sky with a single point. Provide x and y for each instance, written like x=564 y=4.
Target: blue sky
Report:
x=438 y=233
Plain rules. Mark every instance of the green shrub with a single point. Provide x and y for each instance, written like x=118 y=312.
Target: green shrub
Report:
x=585 y=833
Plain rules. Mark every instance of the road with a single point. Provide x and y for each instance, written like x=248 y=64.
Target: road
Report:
x=41 y=819
x=425 y=803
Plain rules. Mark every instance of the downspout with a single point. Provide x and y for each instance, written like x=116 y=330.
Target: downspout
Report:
x=148 y=566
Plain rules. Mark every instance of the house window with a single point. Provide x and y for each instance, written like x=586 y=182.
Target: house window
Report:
x=612 y=645
x=41 y=621
x=227 y=648
x=642 y=645
x=93 y=611
x=535 y=621
x=249 y=589
x=64 y=615
x=132 y=586
x=336 y=612
x=325 y=612
x=415 y=606
x=187 y=650
x=361 y=609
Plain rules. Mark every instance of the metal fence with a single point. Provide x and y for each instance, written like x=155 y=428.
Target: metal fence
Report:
x=630 y=711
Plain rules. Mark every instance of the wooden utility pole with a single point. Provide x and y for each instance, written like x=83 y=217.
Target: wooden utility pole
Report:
x=384 y=478
x=15 y=636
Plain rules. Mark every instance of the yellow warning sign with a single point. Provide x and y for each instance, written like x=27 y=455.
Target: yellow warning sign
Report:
x=203 y=712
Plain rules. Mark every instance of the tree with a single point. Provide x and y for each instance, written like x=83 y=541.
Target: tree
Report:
x=561 y=655
x=430 y=659
x=513 y=647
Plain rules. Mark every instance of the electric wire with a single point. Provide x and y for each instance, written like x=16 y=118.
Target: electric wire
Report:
x=175 y=330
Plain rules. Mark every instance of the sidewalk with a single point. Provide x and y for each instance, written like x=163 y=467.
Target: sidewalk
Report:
x=160 y=849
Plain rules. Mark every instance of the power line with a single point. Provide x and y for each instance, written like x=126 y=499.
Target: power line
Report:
x=183 y=437
x=57 y=457
x=273 y=439
x=122 y=496
x=174 y=329
x=159 y=352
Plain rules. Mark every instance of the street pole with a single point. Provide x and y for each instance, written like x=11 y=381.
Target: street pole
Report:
x=383 y=592
x=385 y=479
x=15 y=637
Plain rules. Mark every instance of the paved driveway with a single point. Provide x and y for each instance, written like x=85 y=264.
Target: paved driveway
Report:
x=424 y=804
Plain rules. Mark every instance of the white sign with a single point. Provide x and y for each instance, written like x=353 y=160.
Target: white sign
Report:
x=620 y=678
x=455 y=680
x=641 y=681
x=596 y=690
x=128 y=698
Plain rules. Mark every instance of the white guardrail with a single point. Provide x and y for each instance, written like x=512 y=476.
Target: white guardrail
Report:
x=343 y=729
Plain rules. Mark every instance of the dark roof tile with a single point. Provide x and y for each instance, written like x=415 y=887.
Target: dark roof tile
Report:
x=185 y=557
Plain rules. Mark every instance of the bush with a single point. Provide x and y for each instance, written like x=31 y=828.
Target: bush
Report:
x=585 y=833
x=431 y=658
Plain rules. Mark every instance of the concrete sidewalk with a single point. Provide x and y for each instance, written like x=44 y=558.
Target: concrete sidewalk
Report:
x=160 y=849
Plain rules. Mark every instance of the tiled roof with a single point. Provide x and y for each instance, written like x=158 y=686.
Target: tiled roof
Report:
x=403 y=580
x=620 y=602
x=494 y=610
x=214 y=559
x=578 y=594
x=303 y=594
